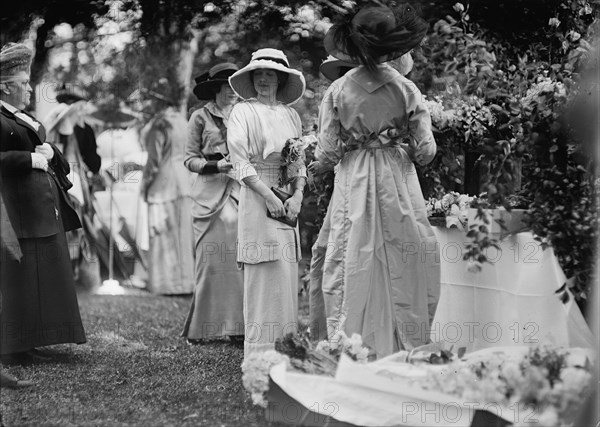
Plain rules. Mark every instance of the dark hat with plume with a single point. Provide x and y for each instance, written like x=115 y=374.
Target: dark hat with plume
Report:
x=375 y=34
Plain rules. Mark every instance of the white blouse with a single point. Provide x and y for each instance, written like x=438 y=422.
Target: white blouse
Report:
x=257 y=130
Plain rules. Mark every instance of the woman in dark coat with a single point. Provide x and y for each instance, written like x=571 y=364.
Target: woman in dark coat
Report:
x=39 y=301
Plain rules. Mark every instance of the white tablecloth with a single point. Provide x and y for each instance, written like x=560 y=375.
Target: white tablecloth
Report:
x=509 y=302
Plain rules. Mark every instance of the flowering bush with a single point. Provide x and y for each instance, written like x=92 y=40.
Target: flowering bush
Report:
x=498 y=91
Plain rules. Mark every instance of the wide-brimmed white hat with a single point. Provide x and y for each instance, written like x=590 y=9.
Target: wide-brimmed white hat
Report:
x=273 y=59
x=57 y=115
x=331 y=67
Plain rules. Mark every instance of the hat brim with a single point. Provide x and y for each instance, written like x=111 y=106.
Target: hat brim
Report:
x=56 y=115
x=66 y=98
x=333 y=50
x=331 y=68
x=243 y=86
x=208 y=89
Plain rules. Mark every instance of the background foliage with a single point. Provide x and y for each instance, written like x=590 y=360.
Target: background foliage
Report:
x=503 y=81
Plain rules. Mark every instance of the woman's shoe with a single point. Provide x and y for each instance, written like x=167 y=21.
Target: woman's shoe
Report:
x=237 y=340
x=8 y=381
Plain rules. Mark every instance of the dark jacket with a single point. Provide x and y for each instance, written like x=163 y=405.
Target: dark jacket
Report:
x=27 y=192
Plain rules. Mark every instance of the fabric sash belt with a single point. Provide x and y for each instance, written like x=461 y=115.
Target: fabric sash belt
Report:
x=387 y=138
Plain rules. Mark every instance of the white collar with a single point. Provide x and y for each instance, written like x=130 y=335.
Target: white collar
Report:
x=9 y=107
x=23 y=116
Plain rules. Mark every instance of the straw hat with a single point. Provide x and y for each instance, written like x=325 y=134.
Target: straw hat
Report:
x=375 y=34
x=332 y=67
x=58 y=114
x=273 y=59
x=209 y=83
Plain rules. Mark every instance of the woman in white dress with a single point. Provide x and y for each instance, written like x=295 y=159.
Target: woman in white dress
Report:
x=268 y=249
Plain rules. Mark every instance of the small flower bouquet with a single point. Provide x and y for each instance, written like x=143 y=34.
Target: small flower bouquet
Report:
x=340 y=344
x=293 y=158
x=454 y=207
x=301 y=355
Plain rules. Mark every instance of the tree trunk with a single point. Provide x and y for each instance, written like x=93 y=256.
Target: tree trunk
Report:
x=186 y=68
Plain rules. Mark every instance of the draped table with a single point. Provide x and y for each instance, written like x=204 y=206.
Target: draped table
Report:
x=517 y=301
x=514 y=301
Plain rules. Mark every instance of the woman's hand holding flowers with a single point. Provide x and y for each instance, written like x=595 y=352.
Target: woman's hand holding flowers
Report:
x=293 y=205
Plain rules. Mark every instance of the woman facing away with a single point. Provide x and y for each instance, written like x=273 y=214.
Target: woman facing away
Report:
x=166 y=189
x=381 y=275
x=332 y=68
x=268 y=249
x=217 y=305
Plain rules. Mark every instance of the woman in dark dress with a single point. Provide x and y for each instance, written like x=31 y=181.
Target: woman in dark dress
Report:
x=39 y=301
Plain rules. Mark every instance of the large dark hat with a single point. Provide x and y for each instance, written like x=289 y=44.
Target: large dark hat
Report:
x=209 y=83
x=333 y=68
x=375 y=34
x=70 y=93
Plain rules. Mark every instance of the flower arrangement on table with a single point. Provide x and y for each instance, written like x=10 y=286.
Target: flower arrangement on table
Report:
x=545 y=386
x=541 y=385
x=301 y=355
x=454 y=207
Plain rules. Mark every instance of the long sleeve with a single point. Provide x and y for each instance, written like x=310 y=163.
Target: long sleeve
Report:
x=156 y=141
x=194 y=158
x=88 y=147
x=15 y=162
x=238 y=142
x=419 y=125
x=329 y=150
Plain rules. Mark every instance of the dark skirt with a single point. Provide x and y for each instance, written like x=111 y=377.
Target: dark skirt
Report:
x=39 y=302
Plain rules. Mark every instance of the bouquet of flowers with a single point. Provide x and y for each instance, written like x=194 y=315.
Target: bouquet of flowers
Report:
x=300 y=355
x=293 y=158
x=453 y=206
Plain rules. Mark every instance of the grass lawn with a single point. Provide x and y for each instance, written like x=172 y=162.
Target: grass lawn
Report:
x=135 y=370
